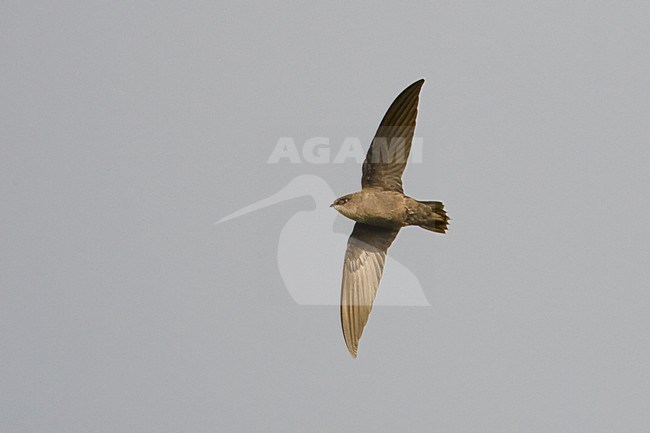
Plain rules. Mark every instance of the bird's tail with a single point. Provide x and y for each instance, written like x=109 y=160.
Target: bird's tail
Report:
x=438 y=220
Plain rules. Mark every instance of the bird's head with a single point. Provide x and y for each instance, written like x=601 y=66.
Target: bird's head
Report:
x=342 y=204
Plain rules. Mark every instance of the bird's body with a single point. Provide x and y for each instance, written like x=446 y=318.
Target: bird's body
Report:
x=390 y=209
x=375 y=207
x=380 y=210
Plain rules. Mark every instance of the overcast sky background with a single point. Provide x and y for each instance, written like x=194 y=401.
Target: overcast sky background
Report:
x=128 y=128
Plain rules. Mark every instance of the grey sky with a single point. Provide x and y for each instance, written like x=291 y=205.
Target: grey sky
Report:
x=128 y=128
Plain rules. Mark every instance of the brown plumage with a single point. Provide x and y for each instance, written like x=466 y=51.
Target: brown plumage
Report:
x=380 y=209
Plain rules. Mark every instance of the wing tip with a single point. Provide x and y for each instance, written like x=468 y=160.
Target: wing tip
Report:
x=414 y=86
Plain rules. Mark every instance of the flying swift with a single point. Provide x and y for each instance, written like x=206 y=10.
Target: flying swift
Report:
x=380 y=210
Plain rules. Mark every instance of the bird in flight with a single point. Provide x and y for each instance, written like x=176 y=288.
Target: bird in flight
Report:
x=380 y=209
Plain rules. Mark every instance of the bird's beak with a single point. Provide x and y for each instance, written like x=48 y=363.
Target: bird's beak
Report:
x=332 y=205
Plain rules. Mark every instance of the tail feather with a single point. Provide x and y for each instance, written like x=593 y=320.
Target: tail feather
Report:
x=438 y=221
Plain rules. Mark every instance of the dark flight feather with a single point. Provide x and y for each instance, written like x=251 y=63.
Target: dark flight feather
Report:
x=390 y=148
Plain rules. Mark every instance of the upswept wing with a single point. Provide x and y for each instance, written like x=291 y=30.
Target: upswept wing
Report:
x=389 y=150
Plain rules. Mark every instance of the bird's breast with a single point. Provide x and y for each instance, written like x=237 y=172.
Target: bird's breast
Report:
x=380 y=208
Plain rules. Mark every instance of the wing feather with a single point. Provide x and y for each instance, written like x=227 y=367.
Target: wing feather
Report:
x=362 y=271
x=390 y=148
